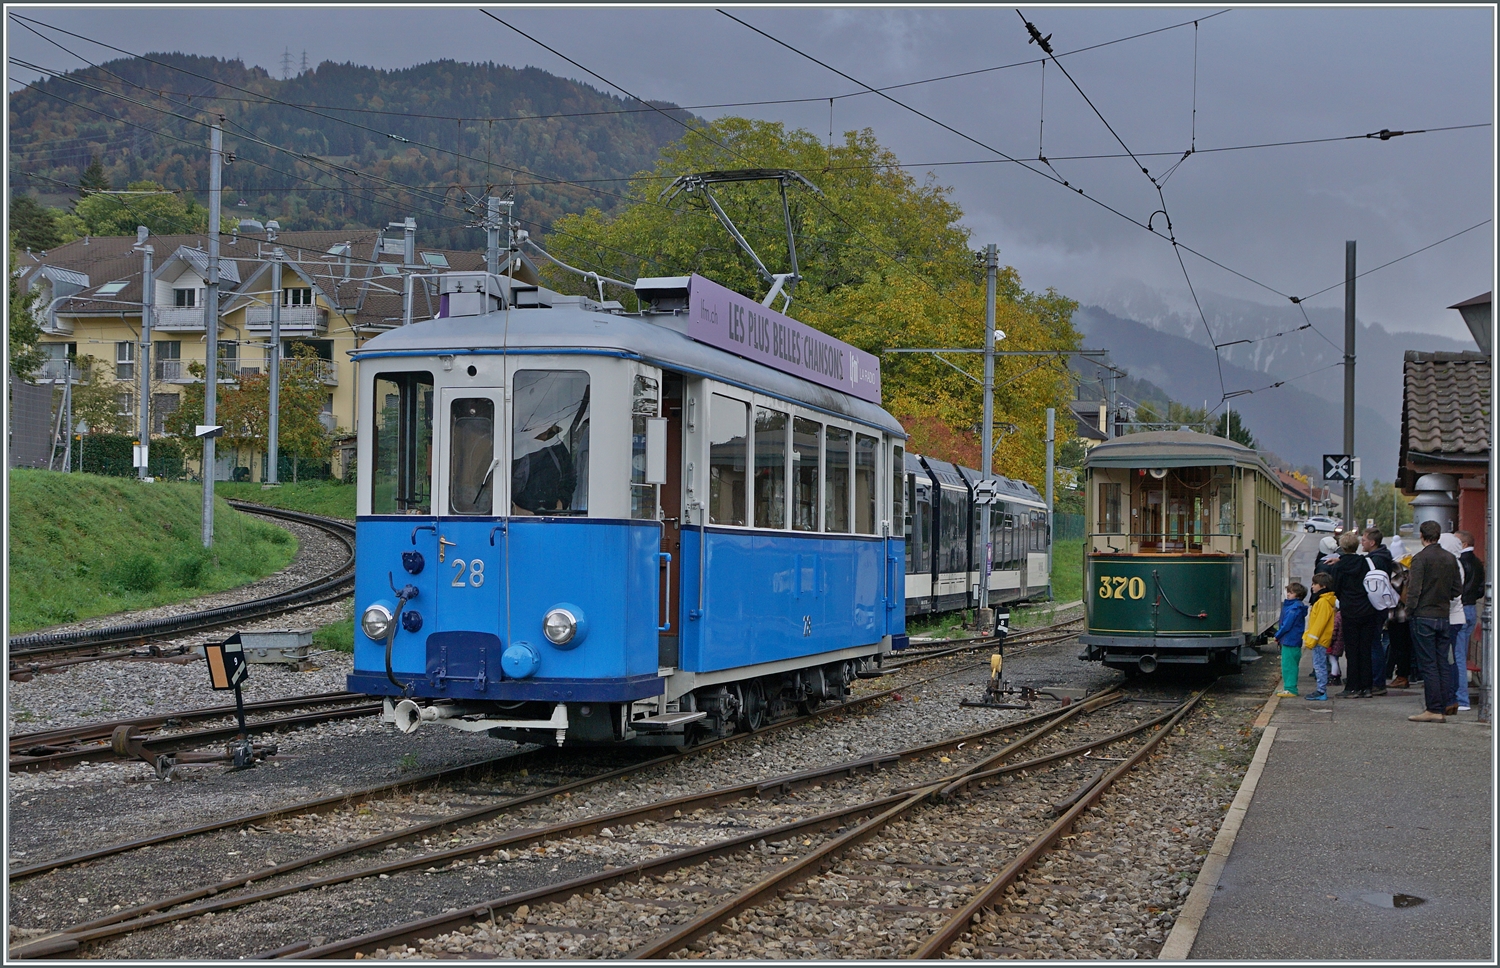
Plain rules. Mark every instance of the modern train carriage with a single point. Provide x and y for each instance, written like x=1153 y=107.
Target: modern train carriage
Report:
x=944 y=549
x=1183 y=560
x=724 y=549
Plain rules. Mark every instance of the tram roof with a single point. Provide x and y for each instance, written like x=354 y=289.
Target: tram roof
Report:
x=659 y=339
x=1172 y=448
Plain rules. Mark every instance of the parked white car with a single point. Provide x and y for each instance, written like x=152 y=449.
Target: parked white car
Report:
x=1322 y=522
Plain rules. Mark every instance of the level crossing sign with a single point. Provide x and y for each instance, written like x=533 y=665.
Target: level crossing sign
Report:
x=1340 y=467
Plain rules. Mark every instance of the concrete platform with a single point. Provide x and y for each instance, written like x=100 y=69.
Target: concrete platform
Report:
x=1355 y=806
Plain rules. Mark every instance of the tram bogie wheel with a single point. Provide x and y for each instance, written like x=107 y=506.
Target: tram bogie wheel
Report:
x=752 y=706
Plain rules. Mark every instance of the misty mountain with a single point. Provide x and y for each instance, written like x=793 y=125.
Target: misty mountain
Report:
x=1312 y=357
x=1298 y=421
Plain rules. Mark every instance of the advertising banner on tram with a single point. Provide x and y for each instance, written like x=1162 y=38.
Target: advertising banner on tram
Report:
x=723 y=318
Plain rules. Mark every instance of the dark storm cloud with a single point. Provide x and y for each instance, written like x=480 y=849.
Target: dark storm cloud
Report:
x=1279 y=215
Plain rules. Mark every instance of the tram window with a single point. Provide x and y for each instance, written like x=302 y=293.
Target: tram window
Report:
x=644 y=405
x=549 y=471
x=471 y=456
x=836 y=502
x=1109 y=509
x=770 y=468
x=910 y=485
x=898 y=509
x=805 y=434
x=726 y=461
x=401 y=476
x=864 y=484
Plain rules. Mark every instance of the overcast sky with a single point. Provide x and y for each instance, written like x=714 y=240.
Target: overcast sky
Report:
x=1279 y=215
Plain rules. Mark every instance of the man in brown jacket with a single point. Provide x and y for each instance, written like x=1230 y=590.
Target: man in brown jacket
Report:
x=1432 y=583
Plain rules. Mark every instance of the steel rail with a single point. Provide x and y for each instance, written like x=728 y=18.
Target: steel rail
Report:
x=959 y=922
x=145 y=916
x=193 y=739
x=53 y=643
x=104 y=730
x=814 y=860
x=334 y=801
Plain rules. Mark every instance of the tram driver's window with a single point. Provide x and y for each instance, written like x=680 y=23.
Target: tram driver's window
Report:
x=401 y=465
x=836 y=502
x=727 y=423
x=644 y=405
x=549 y=470
x=770 y=468
x=471 y=456
x=1109 y=509
x=864 y=484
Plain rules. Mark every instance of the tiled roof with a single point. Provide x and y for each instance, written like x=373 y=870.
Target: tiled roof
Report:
x=1445 y=409
x=371 y=296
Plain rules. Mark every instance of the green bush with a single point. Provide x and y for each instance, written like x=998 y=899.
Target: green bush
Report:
x=113 y=455
x=188 y=571
x=137 y=573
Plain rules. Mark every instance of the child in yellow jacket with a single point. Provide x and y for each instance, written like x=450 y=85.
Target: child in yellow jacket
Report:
x=1319 y=633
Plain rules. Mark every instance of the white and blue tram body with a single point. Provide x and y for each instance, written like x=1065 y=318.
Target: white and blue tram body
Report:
x=578 y=524
x=945 y=551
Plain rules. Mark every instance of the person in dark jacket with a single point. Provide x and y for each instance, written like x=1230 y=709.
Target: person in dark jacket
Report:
x=1432 y=582
x=1473 y=578
x=1361 y=620
x=1379 y=556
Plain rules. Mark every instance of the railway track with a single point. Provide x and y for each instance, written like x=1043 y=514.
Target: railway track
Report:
x=60 y=748
x=845 y=860
x=28 y=651
x=141 y=917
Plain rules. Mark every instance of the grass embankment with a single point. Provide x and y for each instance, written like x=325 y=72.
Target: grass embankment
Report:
x=331 y=499
x=83 y=545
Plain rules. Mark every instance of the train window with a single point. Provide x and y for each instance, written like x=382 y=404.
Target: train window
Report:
x=644 y=405
x=952 y=534
x=401 y=476
x=864 y=484
x=805 y=452
x=1109 y=509
x=549 y=471
x=726 y=461
x=471 y=456
x=836 y=500
x=921 y=531
x=898 y=508
x=770 y=468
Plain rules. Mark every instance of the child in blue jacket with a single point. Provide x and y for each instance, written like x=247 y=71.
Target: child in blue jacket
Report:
x=1289 y=633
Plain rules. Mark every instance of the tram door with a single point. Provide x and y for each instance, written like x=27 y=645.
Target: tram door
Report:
x=470 y=488
x=670 y=593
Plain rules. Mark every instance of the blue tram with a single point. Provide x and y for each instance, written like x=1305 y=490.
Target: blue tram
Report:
x=727 y=548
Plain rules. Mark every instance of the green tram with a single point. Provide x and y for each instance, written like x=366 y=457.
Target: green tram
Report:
x=1183 y=560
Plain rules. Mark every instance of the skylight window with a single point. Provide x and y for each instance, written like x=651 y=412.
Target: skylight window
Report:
x=110 y=288
x=435 y=259
x=386 y=269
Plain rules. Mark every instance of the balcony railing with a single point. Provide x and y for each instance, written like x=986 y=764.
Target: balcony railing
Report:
x=59 y=369
x=295 y=320
x=327 y=370
x=178 y=318
x=172 y=371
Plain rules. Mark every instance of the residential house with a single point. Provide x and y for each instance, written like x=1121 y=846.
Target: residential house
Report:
x=339 y=288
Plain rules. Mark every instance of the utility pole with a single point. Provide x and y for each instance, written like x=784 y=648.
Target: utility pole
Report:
x=211 y=324
x=492 y=236
x=985 y=615
x=148 y=306
x=273 y=450
x=1348 y=376
x=1051 y=473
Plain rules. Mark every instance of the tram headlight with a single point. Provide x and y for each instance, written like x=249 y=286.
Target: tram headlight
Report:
x=377 y=622
x=564 y=626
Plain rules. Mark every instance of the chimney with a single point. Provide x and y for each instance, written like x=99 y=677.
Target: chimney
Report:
x=410 y=252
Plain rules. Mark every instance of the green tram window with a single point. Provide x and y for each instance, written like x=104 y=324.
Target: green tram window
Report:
x=401 y=476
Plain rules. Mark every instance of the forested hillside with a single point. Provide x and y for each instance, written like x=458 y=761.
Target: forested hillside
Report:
x=353 y=137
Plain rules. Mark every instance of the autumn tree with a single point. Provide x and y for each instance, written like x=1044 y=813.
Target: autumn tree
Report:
x=166 y=214
x=885 y=264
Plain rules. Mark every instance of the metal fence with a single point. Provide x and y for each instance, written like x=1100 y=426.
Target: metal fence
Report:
x=1067 y=527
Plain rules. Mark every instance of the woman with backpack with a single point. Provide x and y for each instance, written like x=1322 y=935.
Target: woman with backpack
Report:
x=1362 y=621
